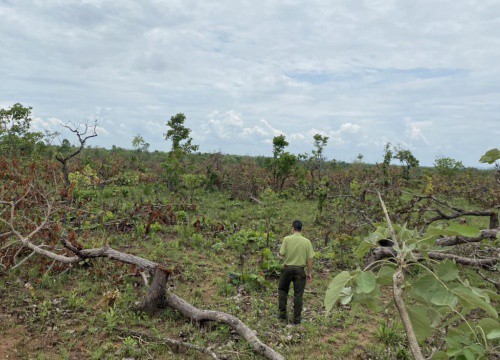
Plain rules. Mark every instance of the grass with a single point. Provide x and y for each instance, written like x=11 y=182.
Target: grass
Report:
x=66 y=315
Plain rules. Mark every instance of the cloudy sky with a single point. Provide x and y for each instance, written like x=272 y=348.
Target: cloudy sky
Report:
x=422 y=74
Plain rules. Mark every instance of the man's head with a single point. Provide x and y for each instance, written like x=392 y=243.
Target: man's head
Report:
x=297 y=226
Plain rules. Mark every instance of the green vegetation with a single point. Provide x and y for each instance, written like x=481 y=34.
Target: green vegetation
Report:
x=216 y=222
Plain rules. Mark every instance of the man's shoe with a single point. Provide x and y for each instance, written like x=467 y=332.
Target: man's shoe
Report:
x=281 y=317
x=299 y=321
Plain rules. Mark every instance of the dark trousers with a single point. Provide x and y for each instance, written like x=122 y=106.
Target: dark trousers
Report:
x=297 y=275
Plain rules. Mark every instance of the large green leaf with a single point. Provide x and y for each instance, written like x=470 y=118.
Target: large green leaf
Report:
x=335 y=289
x=371 y=300
x=420 y=322
x=366 y=282
x=385 y=274
x=488 y=325
x=440 y=355
x=455 y=342
x=362 y=249
x=444 y=297
x=425 y=287
x=346 y=295
x=428 y=289
x=435 y=316
x=472 y=301
x=493 y=334
x=473 y=352
x=447 y=270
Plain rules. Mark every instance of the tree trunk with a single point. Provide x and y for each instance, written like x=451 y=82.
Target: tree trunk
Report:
x=65 y=172
x=156 y=300
x=236 y=324
x=398 y=281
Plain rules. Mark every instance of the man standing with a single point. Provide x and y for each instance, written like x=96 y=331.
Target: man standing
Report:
x=298 y=253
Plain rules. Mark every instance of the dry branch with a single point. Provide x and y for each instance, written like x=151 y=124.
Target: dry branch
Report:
x=236 y=324
x=456 y=240
x=380 y=253
x=487 y=263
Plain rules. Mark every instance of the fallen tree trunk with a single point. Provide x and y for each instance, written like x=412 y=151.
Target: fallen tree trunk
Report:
x=156 y=298
x=236 y=324
x=487 y=263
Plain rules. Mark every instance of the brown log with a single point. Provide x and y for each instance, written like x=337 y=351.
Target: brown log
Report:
x=487 y=263
x=236 y=324
x=155 y=300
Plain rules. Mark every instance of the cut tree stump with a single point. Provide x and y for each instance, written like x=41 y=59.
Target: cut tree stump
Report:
x=155 y=299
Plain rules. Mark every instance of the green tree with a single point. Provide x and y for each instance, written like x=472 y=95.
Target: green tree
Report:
x=181 y=145
x=447 y=166
x=317 y=160
x=491 y=156
x=178 y=133
x=15 y=136
x=140 y=144
x=191 y=183
x=282 y=162
x=407 y=160
x=386 y=163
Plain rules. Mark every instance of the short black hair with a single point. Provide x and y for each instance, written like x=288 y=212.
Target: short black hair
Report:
x=297 y=225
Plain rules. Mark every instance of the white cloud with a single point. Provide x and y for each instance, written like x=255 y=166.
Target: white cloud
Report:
x=224 y=125
x=331 y=66
x=101 y=131
x=349 y=128
x=415 y=130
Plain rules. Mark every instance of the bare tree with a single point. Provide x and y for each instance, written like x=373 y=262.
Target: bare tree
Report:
x=83 y=132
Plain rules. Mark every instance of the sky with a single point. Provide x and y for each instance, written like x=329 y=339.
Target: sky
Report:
x=423 y=75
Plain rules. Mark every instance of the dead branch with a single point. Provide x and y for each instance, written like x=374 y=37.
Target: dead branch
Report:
x=487 y=264
x=458 y=213
x=380 y=253
x=456 y=240
x=493 y=215
x=491 y=281
x=236 y=324
x=256 y=200
x=170 y=342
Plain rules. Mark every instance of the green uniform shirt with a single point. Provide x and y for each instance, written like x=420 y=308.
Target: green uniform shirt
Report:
x=296 y=250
